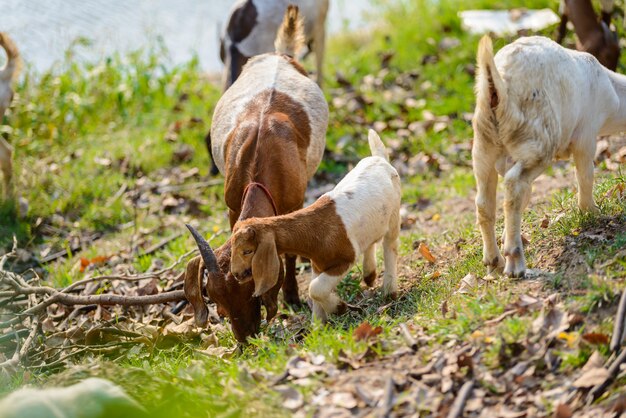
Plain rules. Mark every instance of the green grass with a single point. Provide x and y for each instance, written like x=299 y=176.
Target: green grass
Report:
x=84 y=131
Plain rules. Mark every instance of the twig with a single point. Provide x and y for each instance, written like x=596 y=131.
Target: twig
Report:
x=162 y=243
x=502 y=317
x=132 y=277
x=406 y=334
x=21 y=353
x=619 y=329
x=459 y=403
x=387 y=401
x=599 y=389
x=190 y=186
x=75 y=248
x=168 y=314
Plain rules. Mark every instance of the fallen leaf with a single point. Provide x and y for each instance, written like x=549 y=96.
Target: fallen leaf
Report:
x=595 y=361
x=545 y=222
x=467 y=284
x=596 y=338
x=444 y=308
x=292 y=399
x=592 y=377
x=425 y=252
x=563 y=411
x=365 y=331
x=343 y=400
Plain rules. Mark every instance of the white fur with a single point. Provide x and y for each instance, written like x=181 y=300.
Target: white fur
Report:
x=367 y=200
x=552 y=103
x=269 y=17
x=270 y=72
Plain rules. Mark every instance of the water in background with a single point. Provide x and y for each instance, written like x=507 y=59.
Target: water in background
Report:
x=44 y=29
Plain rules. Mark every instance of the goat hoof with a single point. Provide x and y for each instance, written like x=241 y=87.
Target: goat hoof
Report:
x=370 y=279
x=494 y=263
x=515 y=268
x=342 y=308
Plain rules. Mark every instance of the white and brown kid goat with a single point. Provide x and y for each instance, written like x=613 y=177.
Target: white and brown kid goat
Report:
x=7 y=75
x=333 y=232
x=269 y=135
x=536 y=101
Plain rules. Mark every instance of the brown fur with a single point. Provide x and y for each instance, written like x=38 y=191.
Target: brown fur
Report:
x=268 y=146
x=311 y=232
x=233 y=299
x=594 y=36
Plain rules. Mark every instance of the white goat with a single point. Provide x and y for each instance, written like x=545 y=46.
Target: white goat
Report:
x=7 y=74
x=252 y=27
x=336 y=229
x=536 y=101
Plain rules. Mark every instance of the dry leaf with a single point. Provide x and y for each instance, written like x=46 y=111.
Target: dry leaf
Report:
x=343 y=400
x=545 y=222
x=467 y=284
x=595 y=361
x=292 y=399
x=425 y=252
x=596 y=338
x=592 y=377
x=365 y=331
x=444 y=308
x=563 y=411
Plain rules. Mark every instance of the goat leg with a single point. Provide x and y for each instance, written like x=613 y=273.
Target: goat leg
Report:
x=290 y=285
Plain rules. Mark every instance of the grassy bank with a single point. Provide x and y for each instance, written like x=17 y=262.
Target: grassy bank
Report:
x=111 y=161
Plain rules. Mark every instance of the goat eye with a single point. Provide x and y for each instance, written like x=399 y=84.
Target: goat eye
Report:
x=247 y=252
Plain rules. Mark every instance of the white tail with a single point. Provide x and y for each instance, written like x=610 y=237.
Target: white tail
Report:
x=490 y=89
x=290 y=39
x=376 y=145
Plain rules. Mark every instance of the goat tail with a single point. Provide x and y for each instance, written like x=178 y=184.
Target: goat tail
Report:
x=490 y=89
x=290 y=38
x=11 y=68
x=376 y=145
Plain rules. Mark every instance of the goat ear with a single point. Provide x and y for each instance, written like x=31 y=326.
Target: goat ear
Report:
x=265 y=265
x=193 y=290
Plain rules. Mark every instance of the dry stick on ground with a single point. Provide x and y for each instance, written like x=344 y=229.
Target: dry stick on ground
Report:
x=619 y=330
x=130 y=277
x=408 y=339
x=459 y=403
x=22 y=351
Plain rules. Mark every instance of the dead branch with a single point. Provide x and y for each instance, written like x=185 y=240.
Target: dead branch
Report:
x=131 y=277
x=619 y=329
x=459 y=403
x=406 y=335
x=21 y=352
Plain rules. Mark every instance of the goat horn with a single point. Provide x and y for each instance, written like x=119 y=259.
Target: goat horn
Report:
x=210 y=262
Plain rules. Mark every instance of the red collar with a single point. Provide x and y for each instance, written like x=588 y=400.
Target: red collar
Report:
x=265 y=190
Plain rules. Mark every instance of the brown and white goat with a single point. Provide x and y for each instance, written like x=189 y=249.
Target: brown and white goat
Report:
x=7 y=75
x=593 y=36
x=333 y=232
x=252 y=28
x=269 y=134
x=536 y=101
